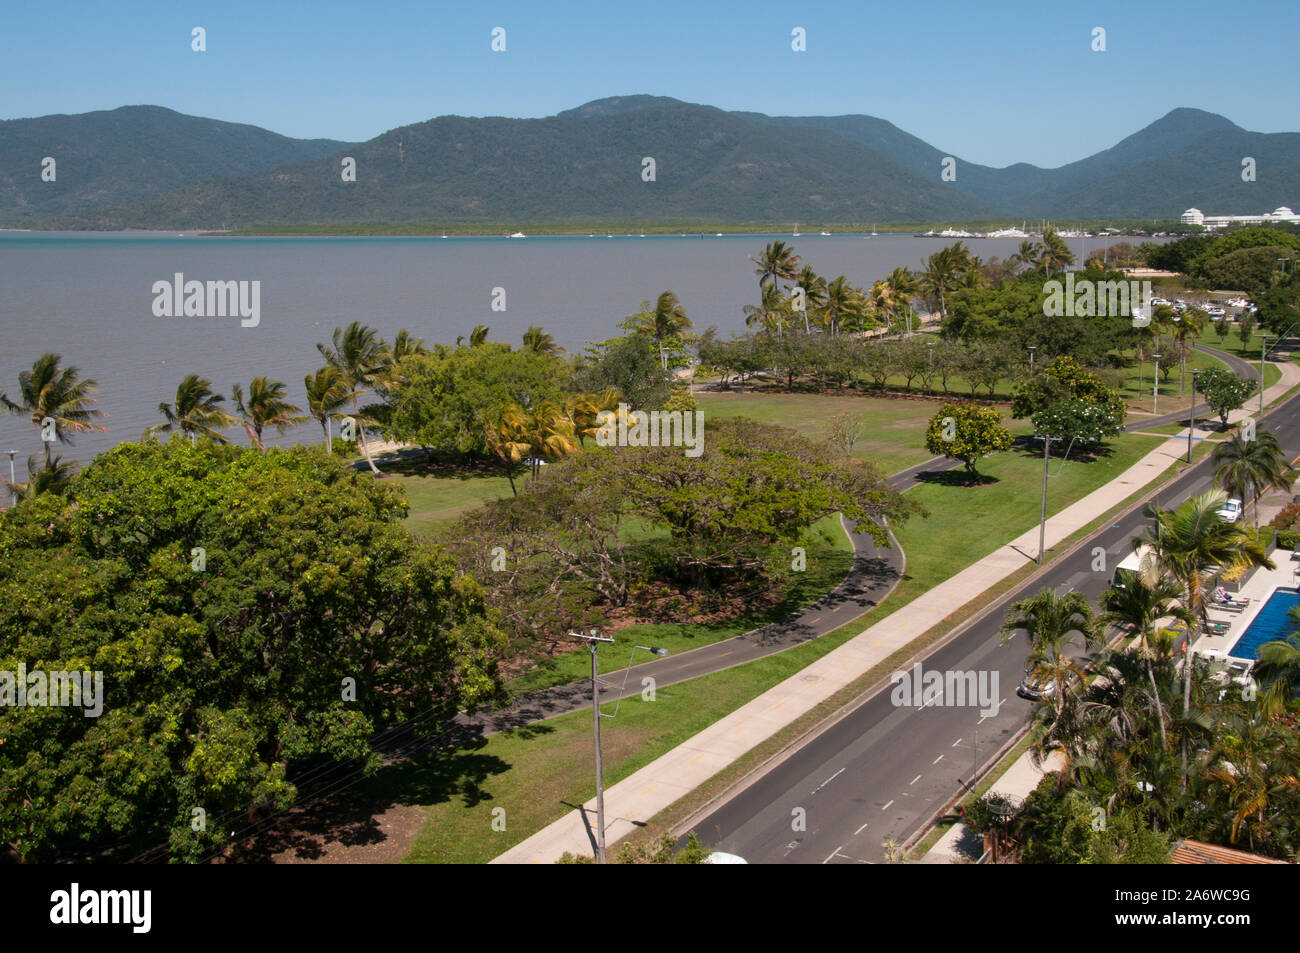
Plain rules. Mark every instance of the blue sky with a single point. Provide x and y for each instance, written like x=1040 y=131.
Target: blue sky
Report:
x=990 y=83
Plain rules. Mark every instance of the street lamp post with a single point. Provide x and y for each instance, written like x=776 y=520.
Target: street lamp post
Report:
x=1191 y=416
x=1263 y=350
x=1032 y=348
x=592 y=638
x=1042 y=518
x=1155 y=385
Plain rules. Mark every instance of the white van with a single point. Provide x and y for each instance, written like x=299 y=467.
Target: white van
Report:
x=1131 y=562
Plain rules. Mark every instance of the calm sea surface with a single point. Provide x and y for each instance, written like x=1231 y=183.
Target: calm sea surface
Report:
x=88 y=297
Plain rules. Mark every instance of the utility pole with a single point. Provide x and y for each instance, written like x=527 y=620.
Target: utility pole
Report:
x=13 y=494
x=1191 y=417
x=1155 y=386
x=592 y=641
x=1263 y=349
x=1042 y=520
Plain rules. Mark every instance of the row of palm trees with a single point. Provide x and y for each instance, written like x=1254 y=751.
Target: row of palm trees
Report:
x=1121 y=725
x=59 y=401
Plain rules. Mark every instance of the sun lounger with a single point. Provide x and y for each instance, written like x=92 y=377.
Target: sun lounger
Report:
x=1227 y=607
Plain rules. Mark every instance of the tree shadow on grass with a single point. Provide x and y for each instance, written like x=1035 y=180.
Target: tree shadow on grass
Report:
x=418 y=463
x=958 y=478
x=339 y=805
x=1033 y=447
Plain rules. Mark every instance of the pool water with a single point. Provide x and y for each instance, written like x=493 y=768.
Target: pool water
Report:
x=1269 y=625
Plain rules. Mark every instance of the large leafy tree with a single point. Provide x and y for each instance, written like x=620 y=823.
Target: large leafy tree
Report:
x=50 y=391
x=312 y=621
x=629 y=365
x=1242 y=465
x=967 y=432
x=1063 y=379
x=447 y=398
x=195 y=412
x=360 y=356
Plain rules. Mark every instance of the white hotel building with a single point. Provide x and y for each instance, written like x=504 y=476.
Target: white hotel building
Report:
x=1194 y=216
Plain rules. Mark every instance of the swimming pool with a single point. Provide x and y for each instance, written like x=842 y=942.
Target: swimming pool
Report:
x=1269 y=625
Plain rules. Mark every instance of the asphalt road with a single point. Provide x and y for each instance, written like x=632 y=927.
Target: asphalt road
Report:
x=882 y=771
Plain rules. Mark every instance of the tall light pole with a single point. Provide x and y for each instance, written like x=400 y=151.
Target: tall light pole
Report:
x=1155 y=385
x=1032 y=348
x=593 y=639
x=1042 y=518
x=1263 y=349
x=1191 y=416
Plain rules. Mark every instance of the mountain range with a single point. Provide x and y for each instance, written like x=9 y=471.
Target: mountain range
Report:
x=150 y=167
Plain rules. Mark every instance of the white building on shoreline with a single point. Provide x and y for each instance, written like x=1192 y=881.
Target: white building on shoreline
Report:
x=1194 y=216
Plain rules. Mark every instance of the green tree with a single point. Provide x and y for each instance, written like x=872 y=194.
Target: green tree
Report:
x=360 y=356
x=1224 y=391
x=1192 y=544
x=540 y=342
x=54 y=477
x=663 y=320
x=1054 y=254
x=630 y=365
x=327 y=393
x=1081 y=421
x=195 y=411
x=1242 y=466
x=1054 y=626
x=265 y=407
x=777 y=262
x=1063 y=379
x=315 y=622
x=967 y=432
x=55 y=393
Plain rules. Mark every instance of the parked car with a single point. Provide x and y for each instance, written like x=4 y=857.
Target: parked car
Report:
x=1230 y=512
x=1035 y=688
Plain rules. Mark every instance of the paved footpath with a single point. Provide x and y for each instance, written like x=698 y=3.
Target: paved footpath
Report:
x=676 y=773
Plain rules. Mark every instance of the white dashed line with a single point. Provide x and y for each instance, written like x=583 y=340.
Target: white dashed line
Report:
x=860 y=830
x=914 y=780
x=956 y=743
x=827 y=781
x=937 y=760
x=832 y=856
x=886 y=807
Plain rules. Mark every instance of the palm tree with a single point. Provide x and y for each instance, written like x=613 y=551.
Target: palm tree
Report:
x=507 y=438
x=1190 y=324
x=661 y=321
x=1191 y=544
x=53 y=477
x=265 y=407
x=1139 y=606
x=360 y=356
x=1242 y=465
x=51 y=392
x=194 y=412
x=944 y=272
x=1029 y=254
x=585 y=410
x=404 y=346
x=814 y=292
x=1051 y=623
x=540 y=342
x=1278 y=669
x=1055 y=254
x=770 y=313
x=843 y=302
x=778 y=262
x=327 y=391
x=478 y=335
x=1255 y=773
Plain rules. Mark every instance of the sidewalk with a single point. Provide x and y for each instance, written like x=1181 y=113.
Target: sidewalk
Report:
x=651 y=789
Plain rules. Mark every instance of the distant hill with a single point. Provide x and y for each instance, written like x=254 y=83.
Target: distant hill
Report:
x=126 y=155
x=146 y=167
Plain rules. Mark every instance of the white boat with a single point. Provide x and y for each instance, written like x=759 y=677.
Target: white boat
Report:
x=796 y=230
x=825 y=233
x=1007 y=233
x=518 y=235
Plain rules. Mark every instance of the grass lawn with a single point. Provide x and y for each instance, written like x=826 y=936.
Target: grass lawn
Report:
x=437 y=501
x=536 y=772
x=893 y=434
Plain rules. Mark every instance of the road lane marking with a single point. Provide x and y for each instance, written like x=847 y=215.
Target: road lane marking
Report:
x=810 y=622
x=914 y=780
x=886 y=807
x=937 y=760
x=860 y=830
x=827 y=781
x=956 y=743
x=832 y=856
x=725 y=654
